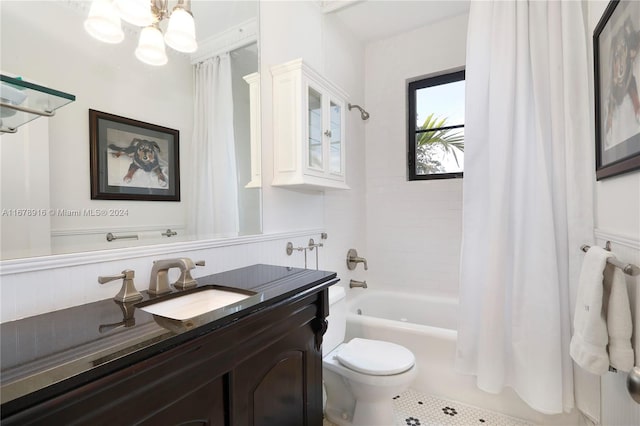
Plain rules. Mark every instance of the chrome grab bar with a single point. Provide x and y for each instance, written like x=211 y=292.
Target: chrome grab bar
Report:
x=111 y=237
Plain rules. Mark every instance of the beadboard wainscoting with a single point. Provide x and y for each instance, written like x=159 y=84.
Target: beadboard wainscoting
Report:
x=43 y=284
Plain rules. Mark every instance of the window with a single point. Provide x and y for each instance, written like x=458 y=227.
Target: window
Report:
x=436 y=127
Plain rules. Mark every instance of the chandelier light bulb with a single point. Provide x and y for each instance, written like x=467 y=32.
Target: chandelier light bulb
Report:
x=151 y=46
x=181 y=32
x=136 y=12
x=103 y=22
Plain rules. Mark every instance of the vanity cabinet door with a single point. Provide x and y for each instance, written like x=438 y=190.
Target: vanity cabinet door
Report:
x=278 y=382
x=204 y=405
x=181 y=386
x=280 y=385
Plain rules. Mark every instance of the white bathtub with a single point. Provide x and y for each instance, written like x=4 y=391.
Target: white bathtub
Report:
x=426 y=325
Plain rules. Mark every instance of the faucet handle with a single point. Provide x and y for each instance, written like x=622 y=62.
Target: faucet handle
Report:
x=186 y=280
x=127 y=273
x=353 y=259
x=128 y=292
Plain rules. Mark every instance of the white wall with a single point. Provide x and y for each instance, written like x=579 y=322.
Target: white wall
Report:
x=301 y=37
x=24 y=181
x=617 y=218
x=345 y=212
x=291 y=30
x=413 y=228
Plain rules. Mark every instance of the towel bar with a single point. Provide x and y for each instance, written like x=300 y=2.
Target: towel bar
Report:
x=111 y=237
x=627 y=268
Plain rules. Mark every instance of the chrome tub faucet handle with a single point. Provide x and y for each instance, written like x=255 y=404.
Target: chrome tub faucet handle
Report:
x=353 y=259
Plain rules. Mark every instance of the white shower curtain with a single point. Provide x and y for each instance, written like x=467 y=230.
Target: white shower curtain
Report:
x=527 y=203
x=214 y=206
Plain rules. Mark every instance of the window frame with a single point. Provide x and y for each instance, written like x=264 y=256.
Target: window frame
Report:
x=412 y=132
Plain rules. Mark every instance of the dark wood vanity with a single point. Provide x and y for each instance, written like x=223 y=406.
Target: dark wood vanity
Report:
x=261 y=365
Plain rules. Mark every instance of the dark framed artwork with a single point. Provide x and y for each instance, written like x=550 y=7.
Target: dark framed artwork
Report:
x=133 y=160
x=616 y=56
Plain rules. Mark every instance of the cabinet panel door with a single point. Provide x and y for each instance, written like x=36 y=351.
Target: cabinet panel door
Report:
x=204 y=406
x=335 y=138
x=280 y=385
x=279 y=395
x=180 y=386
x=315 y=131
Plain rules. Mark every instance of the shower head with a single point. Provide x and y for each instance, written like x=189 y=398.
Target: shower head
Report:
x=363 y=114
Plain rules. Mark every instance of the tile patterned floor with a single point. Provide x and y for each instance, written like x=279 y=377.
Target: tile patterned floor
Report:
x=414 y=409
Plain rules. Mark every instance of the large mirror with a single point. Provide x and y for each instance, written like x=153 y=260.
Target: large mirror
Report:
x=45 y=167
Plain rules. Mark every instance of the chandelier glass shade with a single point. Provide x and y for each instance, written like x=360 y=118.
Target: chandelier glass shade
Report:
x=104 y=24
x=181 y=32
x=136 y=12
x=150 y=48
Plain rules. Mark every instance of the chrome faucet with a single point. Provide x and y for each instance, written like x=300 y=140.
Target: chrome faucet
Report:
x=159 y=282
x=353 y=260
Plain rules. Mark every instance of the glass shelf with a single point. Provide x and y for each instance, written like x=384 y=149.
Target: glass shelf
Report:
x=22 y=102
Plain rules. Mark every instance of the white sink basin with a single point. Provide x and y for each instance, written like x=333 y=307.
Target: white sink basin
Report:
x=192 y=305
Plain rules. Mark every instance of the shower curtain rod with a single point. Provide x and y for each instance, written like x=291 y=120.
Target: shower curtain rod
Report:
x=627 y=268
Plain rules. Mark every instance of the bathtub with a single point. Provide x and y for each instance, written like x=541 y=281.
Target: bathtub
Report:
x=426 y=325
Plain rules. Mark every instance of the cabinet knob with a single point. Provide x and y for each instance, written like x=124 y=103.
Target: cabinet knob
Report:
x=327 y=133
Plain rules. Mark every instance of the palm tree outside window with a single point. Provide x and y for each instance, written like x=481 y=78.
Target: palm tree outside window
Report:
x=436 y=127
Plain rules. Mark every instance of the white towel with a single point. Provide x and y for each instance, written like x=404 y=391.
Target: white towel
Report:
x=601 y=296
x=618 y=319
x=589 y=342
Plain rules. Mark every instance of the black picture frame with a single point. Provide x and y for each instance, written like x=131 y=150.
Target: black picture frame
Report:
x=133 y=160
x=616 y=44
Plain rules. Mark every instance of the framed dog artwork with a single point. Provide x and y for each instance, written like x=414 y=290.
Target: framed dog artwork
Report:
x=133 y=160
x=616 y=55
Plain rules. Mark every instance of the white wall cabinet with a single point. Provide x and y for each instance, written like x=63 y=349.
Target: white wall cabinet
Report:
x=309 y=129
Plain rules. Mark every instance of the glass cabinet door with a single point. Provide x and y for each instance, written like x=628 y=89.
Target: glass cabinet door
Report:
x=315 y=129
x=335 y=146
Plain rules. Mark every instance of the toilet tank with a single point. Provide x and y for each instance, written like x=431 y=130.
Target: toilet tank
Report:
x=337 y=319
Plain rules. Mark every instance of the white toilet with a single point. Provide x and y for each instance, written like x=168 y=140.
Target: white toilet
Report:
x=361 y=376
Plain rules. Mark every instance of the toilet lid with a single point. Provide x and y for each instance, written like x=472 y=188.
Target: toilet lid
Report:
x=375 y=357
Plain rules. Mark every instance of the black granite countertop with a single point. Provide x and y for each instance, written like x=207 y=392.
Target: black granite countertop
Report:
x=47 y=354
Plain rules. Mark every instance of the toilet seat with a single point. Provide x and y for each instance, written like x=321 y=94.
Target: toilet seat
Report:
x=375 y=357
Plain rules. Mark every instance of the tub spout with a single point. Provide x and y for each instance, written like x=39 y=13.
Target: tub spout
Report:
x=354 y=283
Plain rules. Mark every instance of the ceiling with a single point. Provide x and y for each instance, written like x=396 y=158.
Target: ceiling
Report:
x=214 y=17
x=372 y=20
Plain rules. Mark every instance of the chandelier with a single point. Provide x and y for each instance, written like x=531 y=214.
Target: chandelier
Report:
x=104 y=24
